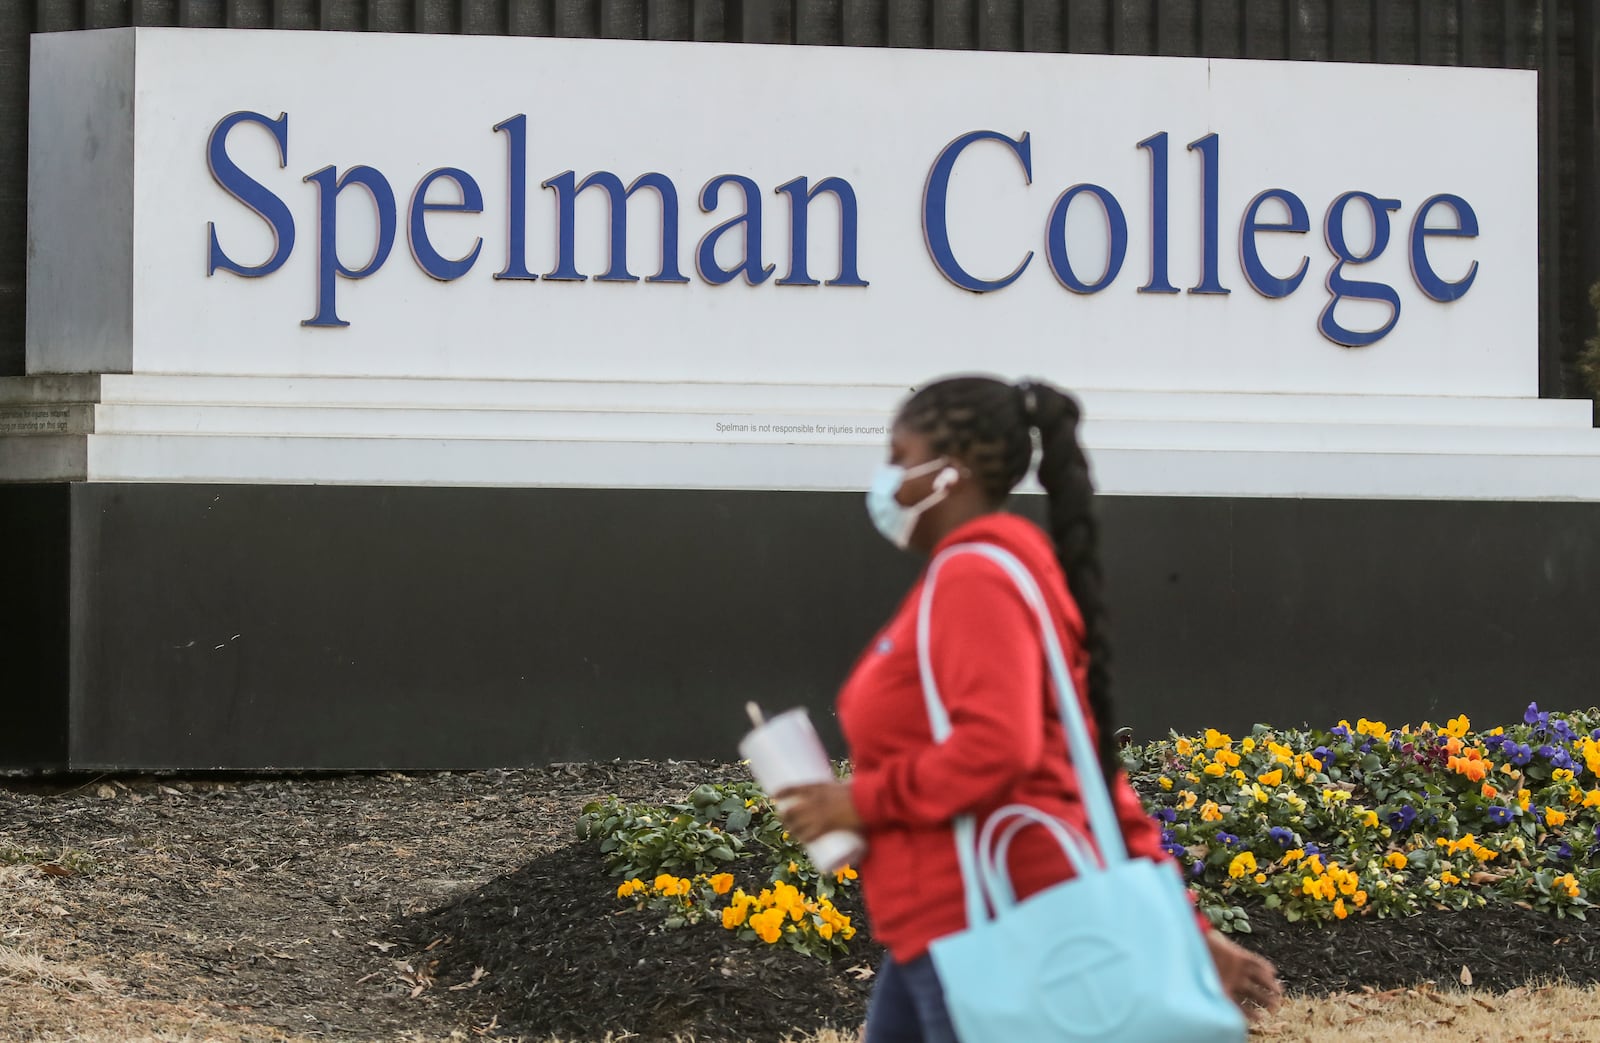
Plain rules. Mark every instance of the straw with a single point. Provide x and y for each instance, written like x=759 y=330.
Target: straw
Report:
x=757 y=719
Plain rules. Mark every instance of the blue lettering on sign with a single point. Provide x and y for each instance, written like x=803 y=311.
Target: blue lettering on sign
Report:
x=566 y=191
x=1156 y=144
x=329 y=267
x=331 y=184
x=1255 y=273
x=422 y=251
x=1056 y=241
x=1341 y=288
x=1274 y=211
x=1297 y=220
x=1466 y=227
x=935 y=210
x=251 y=193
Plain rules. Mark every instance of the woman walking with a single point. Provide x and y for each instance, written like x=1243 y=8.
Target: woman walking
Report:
x=958 y=448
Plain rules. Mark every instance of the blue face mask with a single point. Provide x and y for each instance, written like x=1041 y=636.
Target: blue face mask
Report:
x=894 y=520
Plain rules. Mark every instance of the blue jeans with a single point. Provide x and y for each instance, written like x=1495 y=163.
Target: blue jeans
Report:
x=907 y=1005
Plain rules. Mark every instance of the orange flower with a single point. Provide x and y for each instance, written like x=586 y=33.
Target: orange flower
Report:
x=722 y=883
x=1470 y=764
x=1489 y=792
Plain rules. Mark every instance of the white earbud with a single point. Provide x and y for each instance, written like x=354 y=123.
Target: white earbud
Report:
x=945 y=479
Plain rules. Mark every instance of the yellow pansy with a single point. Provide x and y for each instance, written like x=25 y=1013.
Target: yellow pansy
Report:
x=1375 y=729
x=1209 y=812
x=722 y=883
x=847 y=873
x=1591 y=754
x=1395 y=860
x=1216 y=770
x=1561 y=775
x=1458 y=727
x=768 y=925
x=1187 y=800
x=1248 y=745
x=1555 y=817
x=734 y=916
x=1271 y=778
x=1185 y=748
x=1216 y=740
x=1165 y=783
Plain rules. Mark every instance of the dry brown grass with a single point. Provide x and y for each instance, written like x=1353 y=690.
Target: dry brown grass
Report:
x=41 y=1000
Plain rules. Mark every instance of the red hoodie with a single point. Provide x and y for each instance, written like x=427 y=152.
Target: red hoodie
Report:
x=1006 y=743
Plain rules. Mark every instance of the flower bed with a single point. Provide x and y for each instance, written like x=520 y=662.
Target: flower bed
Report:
x=1359 y=820
x=564 y=955
x=789 y=902
x=1371 y=821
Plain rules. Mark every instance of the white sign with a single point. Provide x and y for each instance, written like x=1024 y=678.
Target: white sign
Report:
x=324 y=204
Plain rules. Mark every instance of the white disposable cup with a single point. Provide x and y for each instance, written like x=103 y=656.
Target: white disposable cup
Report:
x=785 y=751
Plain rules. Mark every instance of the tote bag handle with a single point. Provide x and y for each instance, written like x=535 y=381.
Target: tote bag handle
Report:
x=1104 y=827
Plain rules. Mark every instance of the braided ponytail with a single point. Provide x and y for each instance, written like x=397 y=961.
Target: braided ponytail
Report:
x=1064 y=473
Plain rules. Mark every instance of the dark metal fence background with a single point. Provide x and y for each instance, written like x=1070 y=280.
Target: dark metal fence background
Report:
x=1557 y=37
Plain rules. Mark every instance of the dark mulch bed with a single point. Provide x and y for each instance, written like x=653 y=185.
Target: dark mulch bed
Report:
x=565 y=957
x=1501 y=947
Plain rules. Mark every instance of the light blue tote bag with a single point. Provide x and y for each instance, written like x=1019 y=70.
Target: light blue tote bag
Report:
x=1112 y=955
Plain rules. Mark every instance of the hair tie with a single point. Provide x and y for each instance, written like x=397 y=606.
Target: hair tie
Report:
x=1029 y=400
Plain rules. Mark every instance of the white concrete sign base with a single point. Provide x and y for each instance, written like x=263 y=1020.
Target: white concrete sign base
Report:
x=128 y=428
